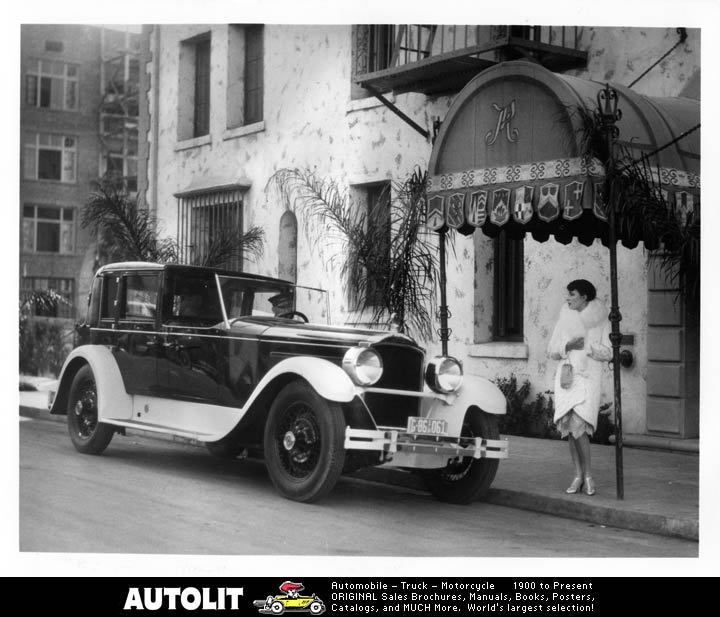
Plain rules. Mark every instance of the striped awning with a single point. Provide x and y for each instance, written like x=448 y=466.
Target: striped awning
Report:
x=509 y=156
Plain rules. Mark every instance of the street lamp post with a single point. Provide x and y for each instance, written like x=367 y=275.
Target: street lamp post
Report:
x=609 y=114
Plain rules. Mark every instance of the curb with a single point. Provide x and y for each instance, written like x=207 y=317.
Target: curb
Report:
x=686 y=529
x=657 y=524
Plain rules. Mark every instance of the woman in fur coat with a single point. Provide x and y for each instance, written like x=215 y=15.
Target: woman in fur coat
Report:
x=581 y=339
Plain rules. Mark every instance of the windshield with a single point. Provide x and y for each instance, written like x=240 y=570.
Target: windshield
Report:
x=246 y=297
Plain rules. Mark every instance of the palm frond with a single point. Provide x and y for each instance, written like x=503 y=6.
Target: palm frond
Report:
x=387 y=259
x=230 y=245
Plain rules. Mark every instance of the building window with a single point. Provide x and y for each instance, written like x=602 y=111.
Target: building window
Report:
x=374 y=200
x=48 y=229
x=194 y=88
x=64 y=287
x=122 y=168
x=508 y=296
x=50 y=157
x=206 y=221
x=51 y=84
x=245 y=75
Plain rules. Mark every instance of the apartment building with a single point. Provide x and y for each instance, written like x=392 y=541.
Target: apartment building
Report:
x=230 y=104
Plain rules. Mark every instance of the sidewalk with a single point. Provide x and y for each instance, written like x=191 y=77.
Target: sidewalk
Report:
x=661 y=486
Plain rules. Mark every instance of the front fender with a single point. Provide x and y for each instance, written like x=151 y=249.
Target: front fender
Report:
x=328 y=379
x=114 y=403
x=475 y=392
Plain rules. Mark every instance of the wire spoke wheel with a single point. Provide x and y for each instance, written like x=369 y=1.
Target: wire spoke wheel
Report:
x=466 y=479
x=299 y=441
x=87 y=433
x=303 y=443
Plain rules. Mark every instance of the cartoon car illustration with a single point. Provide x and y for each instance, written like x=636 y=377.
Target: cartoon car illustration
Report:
x=290 y=600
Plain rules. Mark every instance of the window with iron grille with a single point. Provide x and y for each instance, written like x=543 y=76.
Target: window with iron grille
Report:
x=63 y=286
x=52 y=84
x=204 y=219
x=508 y=297
x=245 y=75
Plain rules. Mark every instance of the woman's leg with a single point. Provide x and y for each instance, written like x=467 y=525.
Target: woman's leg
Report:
x=583 y=448
x=576 y=457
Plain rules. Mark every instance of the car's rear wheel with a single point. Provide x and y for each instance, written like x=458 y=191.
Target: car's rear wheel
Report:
x=303 y=443
x=466 y=479
x=316 y=608
x=87 y=433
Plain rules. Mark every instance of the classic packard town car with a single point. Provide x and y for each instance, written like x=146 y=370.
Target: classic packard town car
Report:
x=232 y=360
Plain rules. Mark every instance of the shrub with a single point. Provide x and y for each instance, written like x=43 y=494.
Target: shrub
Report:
x=45 y=345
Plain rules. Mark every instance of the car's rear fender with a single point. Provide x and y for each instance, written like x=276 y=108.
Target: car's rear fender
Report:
x=114 y=403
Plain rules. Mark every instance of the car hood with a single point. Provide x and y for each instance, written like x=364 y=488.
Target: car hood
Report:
x=277 y=328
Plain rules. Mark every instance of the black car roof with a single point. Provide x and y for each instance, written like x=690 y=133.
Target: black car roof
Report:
x=146 y=265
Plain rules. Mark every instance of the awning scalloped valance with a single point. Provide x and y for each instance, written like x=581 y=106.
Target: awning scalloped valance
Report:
x=480 y=177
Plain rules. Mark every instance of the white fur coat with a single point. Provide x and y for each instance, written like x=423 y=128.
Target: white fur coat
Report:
x=584 y=394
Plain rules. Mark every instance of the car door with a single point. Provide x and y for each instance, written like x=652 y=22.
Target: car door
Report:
x=135 y=331
x=190 y=366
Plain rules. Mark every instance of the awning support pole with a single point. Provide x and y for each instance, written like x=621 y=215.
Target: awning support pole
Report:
x=444 y=330
x=609 y=115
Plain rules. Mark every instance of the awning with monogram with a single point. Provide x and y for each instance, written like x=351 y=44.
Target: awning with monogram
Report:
x=509 y=156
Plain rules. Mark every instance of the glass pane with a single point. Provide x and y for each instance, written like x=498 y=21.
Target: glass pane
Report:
x=68 y=214
x=56 y=140
x=66 y=238
x=48 y=237
x=68 y=174
x=70 y=95
x=141 y=296
x=45 y=91
x=56 y=93
x=29 y=211
x=29 y=163
x=49 y=165
x=48 y=213
x=72 y=70
x=31 y=89
x=28 y=234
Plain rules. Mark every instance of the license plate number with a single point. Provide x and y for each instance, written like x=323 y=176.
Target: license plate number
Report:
x=427 y=426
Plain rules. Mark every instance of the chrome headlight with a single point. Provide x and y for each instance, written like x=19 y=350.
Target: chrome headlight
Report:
x=363 y=364
x=444 y=374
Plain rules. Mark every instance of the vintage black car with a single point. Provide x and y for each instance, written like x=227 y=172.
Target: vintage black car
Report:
x=230 y=359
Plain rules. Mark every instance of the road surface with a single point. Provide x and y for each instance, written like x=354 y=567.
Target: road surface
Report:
x=152 y=496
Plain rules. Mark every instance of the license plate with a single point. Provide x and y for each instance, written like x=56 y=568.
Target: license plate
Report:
x=427 y=426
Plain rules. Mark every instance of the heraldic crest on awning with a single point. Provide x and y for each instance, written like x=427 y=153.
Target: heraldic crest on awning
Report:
x=508 y=155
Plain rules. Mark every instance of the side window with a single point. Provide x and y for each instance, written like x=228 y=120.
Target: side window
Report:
x=93 y=313
x=139 y=301
x=109 y=295
x=192 y=299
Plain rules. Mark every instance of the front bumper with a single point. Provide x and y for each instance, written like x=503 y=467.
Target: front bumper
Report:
x=402 y=449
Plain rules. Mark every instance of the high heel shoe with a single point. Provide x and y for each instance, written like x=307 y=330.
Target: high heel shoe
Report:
x=589 y=486
x=575 y=486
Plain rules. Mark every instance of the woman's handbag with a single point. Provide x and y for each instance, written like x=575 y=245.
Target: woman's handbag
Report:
x=566 y=375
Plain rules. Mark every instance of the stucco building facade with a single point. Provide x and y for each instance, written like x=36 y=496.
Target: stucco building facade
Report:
x=228 y=105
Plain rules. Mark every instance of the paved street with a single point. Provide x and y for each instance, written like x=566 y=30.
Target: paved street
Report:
x=150 y=496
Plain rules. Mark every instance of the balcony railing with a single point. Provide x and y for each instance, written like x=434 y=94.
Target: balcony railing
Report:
x=436 y=58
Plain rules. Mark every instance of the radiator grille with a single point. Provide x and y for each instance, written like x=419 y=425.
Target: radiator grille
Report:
x=402 y=370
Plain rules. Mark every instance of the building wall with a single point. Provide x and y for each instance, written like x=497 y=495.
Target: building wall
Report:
x=81 y=45
x=311 y=122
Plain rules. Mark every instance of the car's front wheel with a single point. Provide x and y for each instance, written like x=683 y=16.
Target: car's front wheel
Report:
x=466 y=479
x=87 y=434
x=303 y=443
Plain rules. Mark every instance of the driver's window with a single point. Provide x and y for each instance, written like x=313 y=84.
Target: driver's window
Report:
x=192 y=299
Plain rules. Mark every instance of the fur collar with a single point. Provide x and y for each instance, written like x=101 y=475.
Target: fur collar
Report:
x=593 y=314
